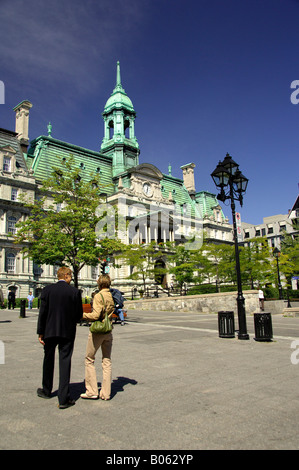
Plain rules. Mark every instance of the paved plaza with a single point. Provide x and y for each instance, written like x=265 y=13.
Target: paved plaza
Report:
x=176 y=386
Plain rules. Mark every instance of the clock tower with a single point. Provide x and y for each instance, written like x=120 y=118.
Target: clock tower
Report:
x=119 y=134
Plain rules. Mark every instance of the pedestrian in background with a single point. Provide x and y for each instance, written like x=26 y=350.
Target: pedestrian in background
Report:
x=261 y=299
x=30 y=299
x=60 y=310
x=118 y=300
x=1 y=298
x=11 y=299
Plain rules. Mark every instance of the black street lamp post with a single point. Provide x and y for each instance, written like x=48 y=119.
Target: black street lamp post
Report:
x=276 y=254
x=233 y=184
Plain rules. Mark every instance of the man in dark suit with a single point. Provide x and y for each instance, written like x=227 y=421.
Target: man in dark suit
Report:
x=60 y=311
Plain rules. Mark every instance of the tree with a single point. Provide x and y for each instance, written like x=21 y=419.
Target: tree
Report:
x=61 y=226
x=182 y=264
x=255 y=262
x=143 y=259
x=289 y=258
x=216 y=263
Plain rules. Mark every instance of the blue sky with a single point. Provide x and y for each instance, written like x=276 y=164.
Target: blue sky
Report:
x=206 y=77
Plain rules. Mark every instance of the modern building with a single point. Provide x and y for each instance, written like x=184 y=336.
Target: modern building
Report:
x=155 y=206
x=273 y=228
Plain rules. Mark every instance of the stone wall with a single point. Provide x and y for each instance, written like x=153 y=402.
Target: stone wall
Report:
x=206 y=303
x=275 y=306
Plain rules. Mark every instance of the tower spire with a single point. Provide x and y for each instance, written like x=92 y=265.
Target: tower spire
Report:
x=119 y=133
x=118 y=78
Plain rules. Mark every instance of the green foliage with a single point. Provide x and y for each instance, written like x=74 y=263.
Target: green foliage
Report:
x=143 y=259
x=215 y=263
x=182 y=264
x=289 y=257
x=203 y=289
x=255 y=262
x=212 y=289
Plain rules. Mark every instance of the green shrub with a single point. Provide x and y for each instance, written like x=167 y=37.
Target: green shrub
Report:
x=271 y=292
x=202 y=289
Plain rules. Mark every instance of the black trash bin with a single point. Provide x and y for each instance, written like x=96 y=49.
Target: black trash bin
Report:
x=23 y=309
x=226 y=324
x=263 y=327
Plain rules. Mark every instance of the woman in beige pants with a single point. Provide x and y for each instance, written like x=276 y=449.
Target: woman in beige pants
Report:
x=96 y=340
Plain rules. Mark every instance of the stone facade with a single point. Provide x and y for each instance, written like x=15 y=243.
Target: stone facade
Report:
x=16 y=271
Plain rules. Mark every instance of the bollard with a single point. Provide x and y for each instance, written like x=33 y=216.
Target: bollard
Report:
x=23 y=309
x=263 y=327
x=226 y=324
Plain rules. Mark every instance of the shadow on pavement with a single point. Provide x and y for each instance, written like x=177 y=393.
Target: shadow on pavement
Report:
x=117 y=386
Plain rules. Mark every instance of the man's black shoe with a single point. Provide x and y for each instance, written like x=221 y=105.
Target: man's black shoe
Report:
x=67 y=405
x=41 y=393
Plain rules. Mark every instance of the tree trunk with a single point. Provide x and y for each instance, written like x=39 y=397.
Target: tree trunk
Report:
x=75 y=275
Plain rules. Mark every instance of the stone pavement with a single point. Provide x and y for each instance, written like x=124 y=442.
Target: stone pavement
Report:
x=176 y=386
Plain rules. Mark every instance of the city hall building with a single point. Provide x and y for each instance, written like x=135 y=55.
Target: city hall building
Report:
x=155 y=206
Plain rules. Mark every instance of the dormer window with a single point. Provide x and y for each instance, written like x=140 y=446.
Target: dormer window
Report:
x=6 y=164
x=8 y=159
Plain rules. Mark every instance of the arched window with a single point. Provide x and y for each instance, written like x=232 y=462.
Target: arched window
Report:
x=127 y=128
x=10 y=262
x=111 y=129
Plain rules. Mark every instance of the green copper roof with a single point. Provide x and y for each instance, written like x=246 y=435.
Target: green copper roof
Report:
x=45 y=153
x=204 y=200
x=207 y=202
x=26 y=102
x=119 y=98
x=175 y=186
